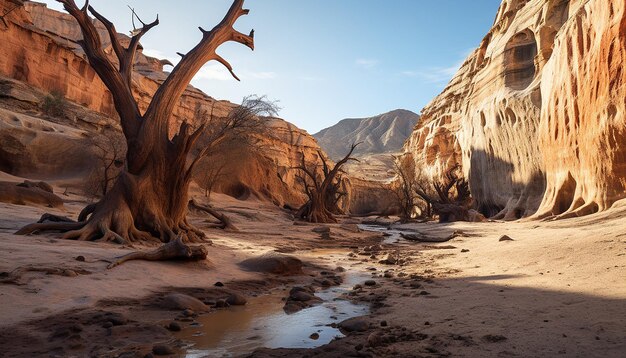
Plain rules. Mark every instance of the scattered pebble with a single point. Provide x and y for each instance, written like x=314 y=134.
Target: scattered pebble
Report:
x=370 y=283
x=174 y=327
x=162 y=350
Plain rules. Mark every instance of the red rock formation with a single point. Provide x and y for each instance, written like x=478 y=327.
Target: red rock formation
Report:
x=536 y=114
x=39 y=50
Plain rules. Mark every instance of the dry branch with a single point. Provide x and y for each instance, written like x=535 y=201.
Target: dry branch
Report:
x=225 y=222
x=173 y=250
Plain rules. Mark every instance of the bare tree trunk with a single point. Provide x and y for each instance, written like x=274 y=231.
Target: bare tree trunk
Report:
x=149 y=200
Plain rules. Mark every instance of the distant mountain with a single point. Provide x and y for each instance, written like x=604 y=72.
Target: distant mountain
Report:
x=384 y=133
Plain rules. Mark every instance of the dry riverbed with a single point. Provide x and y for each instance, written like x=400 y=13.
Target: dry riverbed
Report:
x=555 y=288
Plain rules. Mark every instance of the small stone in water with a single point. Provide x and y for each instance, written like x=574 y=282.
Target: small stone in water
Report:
x=314 y=336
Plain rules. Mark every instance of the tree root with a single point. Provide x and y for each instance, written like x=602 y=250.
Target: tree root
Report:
x=15 y=277
x=225 y=222
x=173 y=250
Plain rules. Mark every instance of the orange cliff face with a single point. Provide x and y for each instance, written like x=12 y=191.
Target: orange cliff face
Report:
x=40 y=54
x=536 y=115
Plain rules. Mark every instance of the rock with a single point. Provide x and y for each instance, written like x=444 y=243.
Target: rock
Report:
x=465 y=250
x=370 y=283
x=235 y=299
x=374 y=339
x=219 y=284
x=558 y=100
x=321 y=230
x=505 y=238
x=314 y=336
x=354 y=325
x=179 y=301
x=273 y=263
x=80 y=258
x=301 y=296
x=383 y=323
x=390 y=259
x=189 y=313
x=33 y=196
x=162 y=350
x=221 y=304
x=174 y=327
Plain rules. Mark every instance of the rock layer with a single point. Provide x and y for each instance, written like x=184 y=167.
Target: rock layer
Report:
x=536 y=114
x=40 y=54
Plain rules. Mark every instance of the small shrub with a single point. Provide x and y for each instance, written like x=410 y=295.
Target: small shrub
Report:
x=54 y=104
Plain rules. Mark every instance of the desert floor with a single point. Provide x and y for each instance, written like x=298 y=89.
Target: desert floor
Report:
x=557 y=289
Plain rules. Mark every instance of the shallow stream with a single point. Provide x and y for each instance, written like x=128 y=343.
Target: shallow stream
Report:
x=262 y=322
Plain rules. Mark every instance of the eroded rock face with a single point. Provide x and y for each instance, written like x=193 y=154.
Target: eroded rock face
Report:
x=536 y=114
x=40 y=54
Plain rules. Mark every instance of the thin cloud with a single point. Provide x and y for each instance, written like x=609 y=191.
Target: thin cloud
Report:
x=213 y=71
x=439 y=75
x=435 y=75
x=367 y=63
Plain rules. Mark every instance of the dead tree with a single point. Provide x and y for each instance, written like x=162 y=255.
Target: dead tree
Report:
x=149 y=200
x=322 y=190
x=448 y=204
x=403 y=188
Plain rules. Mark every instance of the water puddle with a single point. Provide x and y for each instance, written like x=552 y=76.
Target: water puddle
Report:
x=263 y=323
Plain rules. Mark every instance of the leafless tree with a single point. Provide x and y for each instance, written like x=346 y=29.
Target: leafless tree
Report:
x=452 y=199
x=322 y=189
x=149 y=200
x=404 y=187
x=109 y=150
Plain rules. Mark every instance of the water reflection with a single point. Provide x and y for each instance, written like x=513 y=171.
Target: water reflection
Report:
x=263 y=323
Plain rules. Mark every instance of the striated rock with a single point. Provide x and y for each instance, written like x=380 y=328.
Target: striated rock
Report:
x=40 y=54
x=536 y=114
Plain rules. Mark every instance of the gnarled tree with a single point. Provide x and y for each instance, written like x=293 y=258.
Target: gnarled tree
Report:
x=323 y=190
x=452 y=200
x=149 y=200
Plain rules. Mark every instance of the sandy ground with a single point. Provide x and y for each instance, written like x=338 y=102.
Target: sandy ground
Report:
x=557 y=289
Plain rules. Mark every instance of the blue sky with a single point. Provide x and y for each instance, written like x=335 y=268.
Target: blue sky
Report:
x=324 y=60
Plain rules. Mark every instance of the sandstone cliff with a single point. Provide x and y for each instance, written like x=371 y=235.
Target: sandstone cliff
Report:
x=39 y=54
x=536 y=114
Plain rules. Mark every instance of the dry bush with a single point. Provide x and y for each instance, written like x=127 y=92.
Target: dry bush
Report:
x=54 y=104
x=109 y=150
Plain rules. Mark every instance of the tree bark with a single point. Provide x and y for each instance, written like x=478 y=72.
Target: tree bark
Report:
x=149 y=200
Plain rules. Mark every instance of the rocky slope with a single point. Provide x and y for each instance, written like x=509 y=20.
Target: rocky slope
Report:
x=536 y=114
x=384 y=133
x=39 y=54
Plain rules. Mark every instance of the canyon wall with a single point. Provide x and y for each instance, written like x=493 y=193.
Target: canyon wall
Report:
x=536 y=114
x=39 y=54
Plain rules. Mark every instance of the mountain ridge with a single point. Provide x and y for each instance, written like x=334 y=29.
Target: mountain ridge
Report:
x=383 y=133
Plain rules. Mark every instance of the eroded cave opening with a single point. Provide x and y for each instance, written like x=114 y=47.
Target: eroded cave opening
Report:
x=519 y=60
